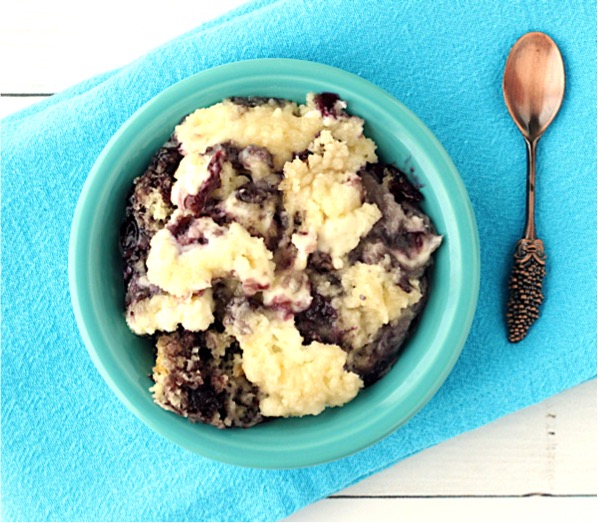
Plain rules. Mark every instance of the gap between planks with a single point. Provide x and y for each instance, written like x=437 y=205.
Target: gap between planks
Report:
x=463 y=496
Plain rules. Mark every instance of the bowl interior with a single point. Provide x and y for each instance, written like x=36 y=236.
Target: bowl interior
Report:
x=125 y=360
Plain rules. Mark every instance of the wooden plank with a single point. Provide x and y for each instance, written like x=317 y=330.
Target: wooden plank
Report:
x=448 y=510
x=537 y=464
x=548 y=448
x=12 y=104
x=48 y=46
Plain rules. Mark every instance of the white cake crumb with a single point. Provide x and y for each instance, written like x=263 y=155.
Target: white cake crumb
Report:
x=298 y=379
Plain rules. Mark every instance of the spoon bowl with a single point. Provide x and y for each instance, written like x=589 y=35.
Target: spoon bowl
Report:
x=534 y=83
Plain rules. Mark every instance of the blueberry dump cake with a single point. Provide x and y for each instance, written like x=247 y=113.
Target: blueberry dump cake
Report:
x=276 y=265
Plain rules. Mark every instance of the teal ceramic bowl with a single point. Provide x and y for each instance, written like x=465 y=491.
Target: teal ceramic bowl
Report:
x=125 y=360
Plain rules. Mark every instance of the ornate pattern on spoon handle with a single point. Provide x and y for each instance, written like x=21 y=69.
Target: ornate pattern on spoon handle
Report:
x=525 y=287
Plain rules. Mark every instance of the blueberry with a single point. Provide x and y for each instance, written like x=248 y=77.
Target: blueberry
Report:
x=251 y=193
x=401 y=188
x=181 y=226
x=327 y=104
x=317 y=323
x=196 y=202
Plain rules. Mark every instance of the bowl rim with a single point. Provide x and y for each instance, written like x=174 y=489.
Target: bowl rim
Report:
x=469 y=240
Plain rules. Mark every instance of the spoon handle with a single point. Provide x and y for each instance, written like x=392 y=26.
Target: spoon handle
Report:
x=529 y=268
x=530 y=225
x=525 y=287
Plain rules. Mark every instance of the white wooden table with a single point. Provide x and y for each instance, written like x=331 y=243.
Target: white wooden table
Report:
x=538 y=464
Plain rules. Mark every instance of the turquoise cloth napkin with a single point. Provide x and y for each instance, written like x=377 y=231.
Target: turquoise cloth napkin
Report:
x=71 y=451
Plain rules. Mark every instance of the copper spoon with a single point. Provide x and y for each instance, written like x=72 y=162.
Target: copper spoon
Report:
x=533 y=87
